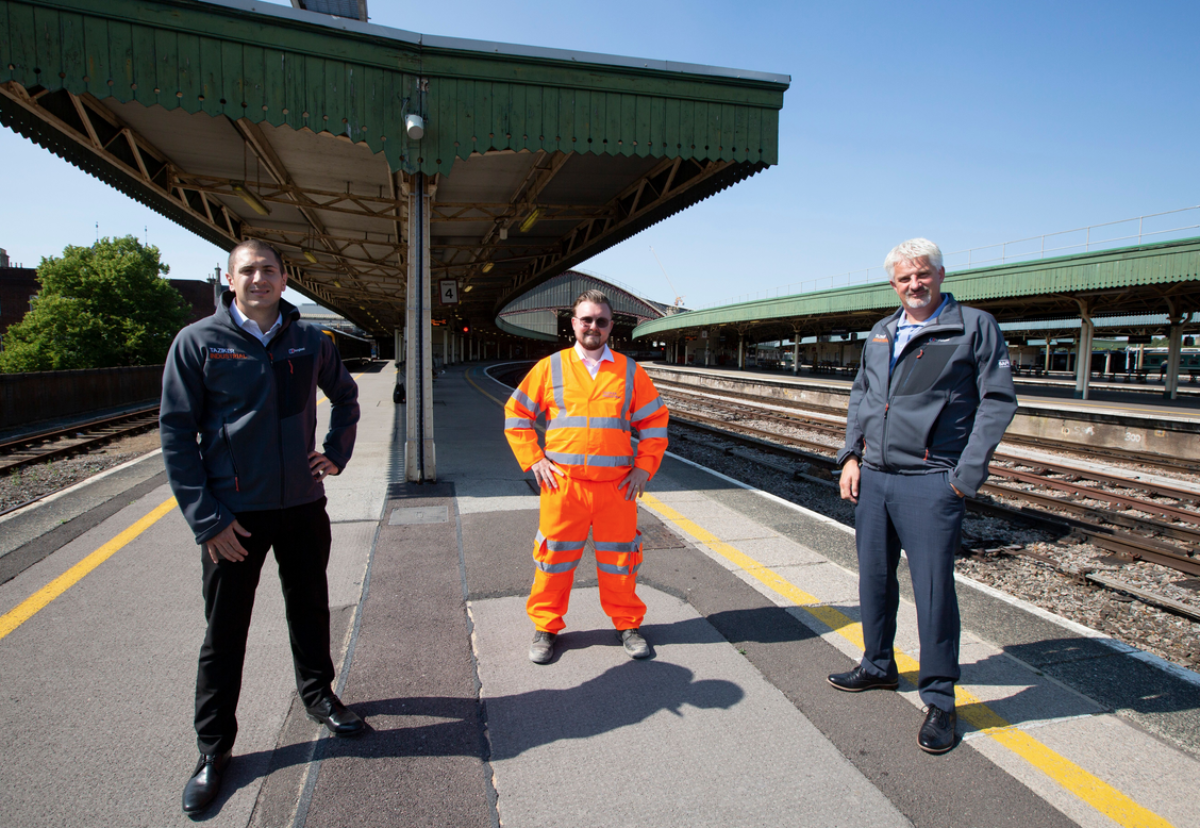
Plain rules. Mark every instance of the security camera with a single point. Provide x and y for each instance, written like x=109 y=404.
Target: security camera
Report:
x=414 y=125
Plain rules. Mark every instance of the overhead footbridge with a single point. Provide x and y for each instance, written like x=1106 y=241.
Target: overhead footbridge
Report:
x=1153 y=280
x=405 y=178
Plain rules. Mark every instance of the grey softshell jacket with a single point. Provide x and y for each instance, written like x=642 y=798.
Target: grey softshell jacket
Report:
x=946 y=404
x=254 y=408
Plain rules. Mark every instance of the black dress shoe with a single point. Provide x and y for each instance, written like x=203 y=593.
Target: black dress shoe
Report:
x=859 y=679
x=341 y=720
x=205 y=784
x=938 y=733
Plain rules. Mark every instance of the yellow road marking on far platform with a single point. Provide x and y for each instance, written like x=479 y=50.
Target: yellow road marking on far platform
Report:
x=32 y=605
x=1091 y=789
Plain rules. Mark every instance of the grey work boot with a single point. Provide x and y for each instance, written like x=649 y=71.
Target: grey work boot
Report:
x=635 y=646
x=542 y=648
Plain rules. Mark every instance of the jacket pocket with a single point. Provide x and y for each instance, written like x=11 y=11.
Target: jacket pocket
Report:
x=294 y=384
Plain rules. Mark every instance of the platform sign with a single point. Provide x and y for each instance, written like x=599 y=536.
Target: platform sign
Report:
x=448 y=290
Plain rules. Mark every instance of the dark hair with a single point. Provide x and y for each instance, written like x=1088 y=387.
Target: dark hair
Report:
x=257 y=245
x=593 y=296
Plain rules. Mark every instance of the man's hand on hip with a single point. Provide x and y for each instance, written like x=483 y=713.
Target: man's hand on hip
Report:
x=544 y=471
x=848 y=483
x=636 y=480
x=321 y=466
x=226 y=545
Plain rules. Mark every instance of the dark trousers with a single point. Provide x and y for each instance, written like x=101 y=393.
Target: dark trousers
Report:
x=922 y=514
x=300 y=537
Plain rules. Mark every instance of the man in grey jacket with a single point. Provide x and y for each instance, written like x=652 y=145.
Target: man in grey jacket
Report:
x=932 y=398
x=238 y=425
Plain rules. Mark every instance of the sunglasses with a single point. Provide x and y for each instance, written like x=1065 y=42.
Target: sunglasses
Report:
x=600 y=322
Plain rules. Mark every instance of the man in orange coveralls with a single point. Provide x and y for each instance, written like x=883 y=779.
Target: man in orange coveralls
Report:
x=588 y=473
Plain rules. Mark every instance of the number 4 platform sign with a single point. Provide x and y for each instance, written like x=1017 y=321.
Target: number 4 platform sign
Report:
x=449 y=290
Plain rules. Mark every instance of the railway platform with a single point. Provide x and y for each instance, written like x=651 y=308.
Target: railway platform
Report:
x=752 y=602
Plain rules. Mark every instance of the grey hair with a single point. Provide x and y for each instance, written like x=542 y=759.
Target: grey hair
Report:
x=257 y=245
x=596 y=297
x=910 y=250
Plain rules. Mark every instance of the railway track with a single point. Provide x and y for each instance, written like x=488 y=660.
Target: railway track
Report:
x=838 y=413
x=76 y=439
x=1128 y=536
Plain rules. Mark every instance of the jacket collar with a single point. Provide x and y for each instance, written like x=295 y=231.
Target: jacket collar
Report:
x=949 y=319
x=287 y=310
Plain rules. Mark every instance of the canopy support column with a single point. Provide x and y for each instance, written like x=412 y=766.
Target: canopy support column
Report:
x=419 y=465
x=795 y=351
x=1083 y=351
x=1175 y=350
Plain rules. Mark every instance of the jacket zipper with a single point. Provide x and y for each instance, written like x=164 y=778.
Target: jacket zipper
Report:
x=229 y=447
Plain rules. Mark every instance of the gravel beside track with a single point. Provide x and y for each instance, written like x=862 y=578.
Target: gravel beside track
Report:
x=1043 y=570
x=25 y=484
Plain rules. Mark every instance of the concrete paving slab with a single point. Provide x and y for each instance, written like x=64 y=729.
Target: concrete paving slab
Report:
x=693 y=737
x=779 y=551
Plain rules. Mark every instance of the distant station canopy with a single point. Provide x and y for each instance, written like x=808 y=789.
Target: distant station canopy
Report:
x=353 y=9
x=545 y=312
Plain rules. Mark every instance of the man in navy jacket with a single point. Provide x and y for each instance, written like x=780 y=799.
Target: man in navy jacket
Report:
x=238 y=425
x=932 y=398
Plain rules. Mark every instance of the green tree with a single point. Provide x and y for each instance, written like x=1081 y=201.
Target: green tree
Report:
x=101 y=306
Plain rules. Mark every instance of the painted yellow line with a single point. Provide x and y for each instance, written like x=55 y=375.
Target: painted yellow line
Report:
x=323 y=399
x=472 y=383
x=1092 y=790
x=40 y=599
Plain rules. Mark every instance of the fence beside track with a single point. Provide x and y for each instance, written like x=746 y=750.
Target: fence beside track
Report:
x=45 y=395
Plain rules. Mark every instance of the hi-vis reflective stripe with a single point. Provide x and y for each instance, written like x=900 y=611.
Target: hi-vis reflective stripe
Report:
x=618 y=546
x=630 y=367
x=652 y=432
x=615 y=423
x=556 y=378
x=517 y=422
x=524 y=400
x=558 y=545
x=646 y=410
x=592 y=460
x=558 y=568
x=613 y=569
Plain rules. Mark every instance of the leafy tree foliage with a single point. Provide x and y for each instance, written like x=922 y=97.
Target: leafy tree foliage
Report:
x=101 y=306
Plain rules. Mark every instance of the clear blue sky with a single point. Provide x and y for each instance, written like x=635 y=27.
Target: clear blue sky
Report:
x=967 y=123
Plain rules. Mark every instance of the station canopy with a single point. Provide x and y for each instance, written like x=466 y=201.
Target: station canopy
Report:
x=239 y=120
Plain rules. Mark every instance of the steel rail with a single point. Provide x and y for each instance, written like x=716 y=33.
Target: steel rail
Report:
x=1095 y=494
x=1121 y=543
x=31 y=449
x=1107 y=452
x=1095 y=513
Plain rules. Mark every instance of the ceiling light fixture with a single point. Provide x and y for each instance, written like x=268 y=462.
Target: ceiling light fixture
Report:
x=531 y=220
x=250 y=198
x=311 y=256
x=487 y=267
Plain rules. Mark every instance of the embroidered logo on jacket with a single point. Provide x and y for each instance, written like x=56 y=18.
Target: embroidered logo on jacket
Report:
x=880 y=339
x=1004 y=363
x=612 y=395
x=225 y=353
x=296 y=350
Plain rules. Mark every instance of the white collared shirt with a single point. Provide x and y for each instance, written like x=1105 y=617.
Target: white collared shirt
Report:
x=251 y=327
x=593 y=365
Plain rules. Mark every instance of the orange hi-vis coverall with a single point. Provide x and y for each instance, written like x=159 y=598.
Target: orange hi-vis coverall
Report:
x=588 y=435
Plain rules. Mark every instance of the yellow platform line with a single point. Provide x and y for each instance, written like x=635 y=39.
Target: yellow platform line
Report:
x=355 y=378
x=1091 y=789
x=42 y=598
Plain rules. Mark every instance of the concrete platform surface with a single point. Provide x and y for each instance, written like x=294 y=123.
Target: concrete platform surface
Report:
x=752 y=603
